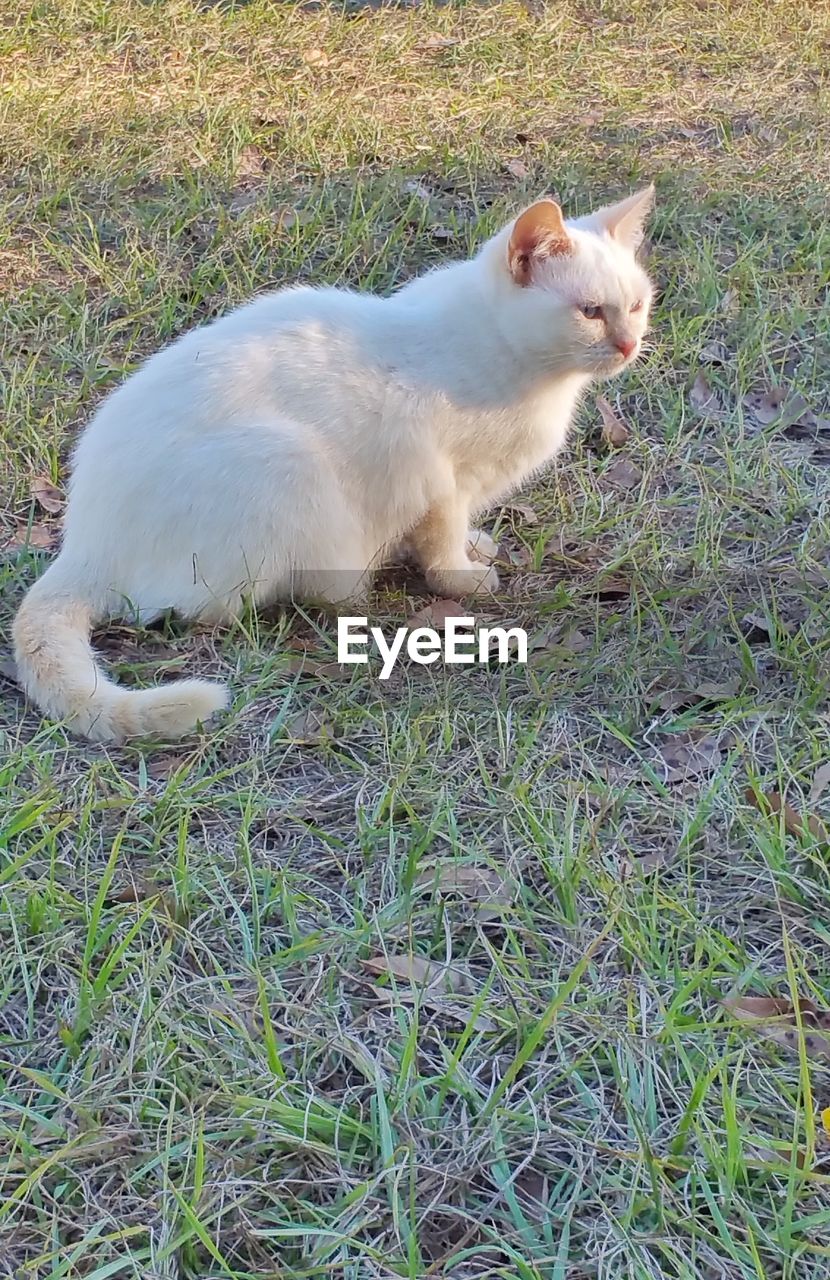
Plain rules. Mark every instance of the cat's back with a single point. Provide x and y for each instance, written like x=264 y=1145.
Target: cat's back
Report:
x=229 y=365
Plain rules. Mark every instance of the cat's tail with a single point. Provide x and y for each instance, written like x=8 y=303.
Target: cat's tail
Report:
x=56 y=667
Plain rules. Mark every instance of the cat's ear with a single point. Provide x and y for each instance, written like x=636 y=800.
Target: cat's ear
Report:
x=624 y=221
x=537 y=234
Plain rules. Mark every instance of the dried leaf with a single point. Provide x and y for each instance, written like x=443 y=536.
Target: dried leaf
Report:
x=820 y=783
x=137 y=891
x=420 y=972
x=563 y=546
x=795 y=824
x=41 y=536
x=414 y=188
x=613 y=589
x=614 y=431
x=8 y=670
x=705 y=400
x=250 y=163
x=49 y=497
x=778 y=404
x=449 y=1005
x=714 y=352
x=532 y=1188
x=717 y=691
x=525 y=513
x=730 y=303
x=436 y=42
x=436 y=984
x=518 y=169
x=776 y=1019
x=517 y=556
x=435 y=614
x=310 y=727
x=646 y=863
x=673 y=699
x=576 y=641
x=315 y=58
x=755 y=628
x=476 y=883
x=285 y=217
x=623 y=474
x=689 y=755
x=305 y=664
x=706 y=691
x=165 y=766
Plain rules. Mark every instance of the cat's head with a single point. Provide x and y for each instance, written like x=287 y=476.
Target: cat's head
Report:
x=576 y=297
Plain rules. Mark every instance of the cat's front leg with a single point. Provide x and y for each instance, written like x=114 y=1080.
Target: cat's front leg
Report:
x=440 y=543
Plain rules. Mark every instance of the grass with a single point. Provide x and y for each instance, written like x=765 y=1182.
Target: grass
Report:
x=202 y=1077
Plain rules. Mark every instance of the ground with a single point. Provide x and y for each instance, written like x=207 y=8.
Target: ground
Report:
x=427 y=978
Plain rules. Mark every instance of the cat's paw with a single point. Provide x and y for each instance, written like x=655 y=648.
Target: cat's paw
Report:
x=481 y=547
x=474 y=581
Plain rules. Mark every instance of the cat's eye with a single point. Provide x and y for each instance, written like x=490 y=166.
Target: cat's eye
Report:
x=591 y=312
x=638 y=305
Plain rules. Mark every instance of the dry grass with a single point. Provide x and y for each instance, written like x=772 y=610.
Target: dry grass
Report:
x=202 y=1078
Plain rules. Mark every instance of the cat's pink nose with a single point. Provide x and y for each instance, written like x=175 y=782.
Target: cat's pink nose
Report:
x=626 y=346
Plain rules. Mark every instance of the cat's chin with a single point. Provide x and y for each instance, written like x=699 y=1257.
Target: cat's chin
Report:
x=611 y=369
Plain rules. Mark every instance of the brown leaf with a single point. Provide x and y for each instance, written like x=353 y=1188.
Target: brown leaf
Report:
x=778 y=404
x=549 y=640
x=45 y=493
x=717 y=691
x=250 y=163
x=518 y=169
x=315 y=58
x=706 y=691
x=576 y=641
x=646 y=863
x=305 y=664
x=820 y=783
x=436 y=985
x=285 y=217
x=730 y=302
x=612 y=589
x=41 y=536
x=435 y=614
x=517 y=556
x=525 y=513
x=412 y=187
x=437 y=42
x=714 y=352
x=795 y=824
x=563 y=546
x=623 y=474
x=776 y=1019
x=533 y=1191
x=476 y=883
x=137 y=891
x=755 y=628
x=310 y=727
x=705 y=400
x=165 y=766
x=614 y=431
x=8 y=670
x=687 y=755
x=420 y=972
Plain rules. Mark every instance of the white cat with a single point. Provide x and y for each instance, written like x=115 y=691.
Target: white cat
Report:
x=282 y=451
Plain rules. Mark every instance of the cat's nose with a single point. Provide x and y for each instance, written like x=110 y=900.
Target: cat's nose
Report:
x=626 y=346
